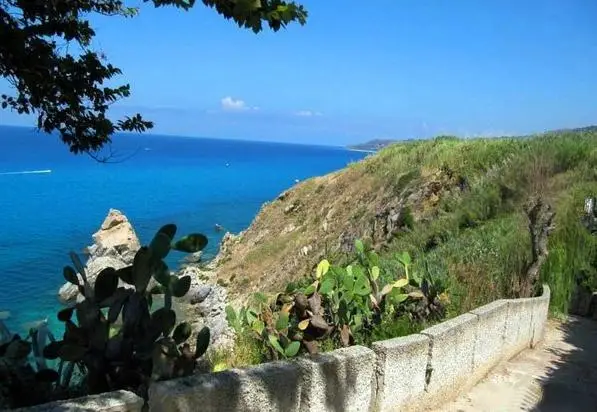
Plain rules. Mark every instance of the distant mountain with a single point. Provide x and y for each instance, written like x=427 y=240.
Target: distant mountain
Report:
x=373 y=145
x=584 y=129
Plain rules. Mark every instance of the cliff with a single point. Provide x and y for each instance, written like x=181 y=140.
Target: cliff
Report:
x=456 y=205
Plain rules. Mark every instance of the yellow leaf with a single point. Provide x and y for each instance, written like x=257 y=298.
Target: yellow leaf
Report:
x=322 y=268
x=303 y=324
x=417 y=294
x=219 y=367
x=386 y=289
x=374 y=272
x=286 y=308
x=400 y=283
x=373 y=300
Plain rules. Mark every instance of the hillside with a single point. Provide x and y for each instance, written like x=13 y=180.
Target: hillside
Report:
x=455 y=205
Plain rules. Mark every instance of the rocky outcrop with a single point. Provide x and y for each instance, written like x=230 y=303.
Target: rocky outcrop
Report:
x=115 y=245
x=205 y=305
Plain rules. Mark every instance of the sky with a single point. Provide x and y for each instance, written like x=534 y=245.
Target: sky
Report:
x=391 y=69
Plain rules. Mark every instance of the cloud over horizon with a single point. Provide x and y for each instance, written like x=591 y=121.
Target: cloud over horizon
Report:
x=307 y=113
x=229 y=103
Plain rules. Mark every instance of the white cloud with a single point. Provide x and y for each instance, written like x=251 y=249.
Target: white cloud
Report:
x=308 y=113
x=229 y=103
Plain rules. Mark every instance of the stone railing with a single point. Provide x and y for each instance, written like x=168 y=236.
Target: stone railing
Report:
x=406 y=373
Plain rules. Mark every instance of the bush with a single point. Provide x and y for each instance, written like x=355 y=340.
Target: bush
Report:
x=341 y=306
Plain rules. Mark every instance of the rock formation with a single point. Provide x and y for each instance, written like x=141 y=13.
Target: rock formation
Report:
x=115 y=245
x=205 y=305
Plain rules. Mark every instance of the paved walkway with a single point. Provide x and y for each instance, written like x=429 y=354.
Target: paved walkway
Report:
x=560 y=375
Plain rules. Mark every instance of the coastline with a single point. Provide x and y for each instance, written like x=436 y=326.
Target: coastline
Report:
x=361 y=150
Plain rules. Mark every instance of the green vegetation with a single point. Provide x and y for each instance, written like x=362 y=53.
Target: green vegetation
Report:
x=473 y=235
x=462 y=210
x=112 y=337
x=48 y=55
x=362 y=302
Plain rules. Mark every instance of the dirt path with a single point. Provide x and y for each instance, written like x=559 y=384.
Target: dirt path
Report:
x=560 y=375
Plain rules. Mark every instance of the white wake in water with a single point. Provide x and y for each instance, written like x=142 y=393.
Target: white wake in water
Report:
x=27 y=172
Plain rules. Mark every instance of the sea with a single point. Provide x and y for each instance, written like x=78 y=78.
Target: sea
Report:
x=52 y=201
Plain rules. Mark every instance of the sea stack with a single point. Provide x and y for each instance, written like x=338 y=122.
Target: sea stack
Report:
x=115 y=245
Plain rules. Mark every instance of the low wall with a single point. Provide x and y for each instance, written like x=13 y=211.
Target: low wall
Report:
x=406 y=373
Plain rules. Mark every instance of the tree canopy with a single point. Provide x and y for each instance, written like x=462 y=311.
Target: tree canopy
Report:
x=65 y=89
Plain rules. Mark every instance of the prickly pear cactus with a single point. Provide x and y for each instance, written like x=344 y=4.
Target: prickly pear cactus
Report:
x=116 y=335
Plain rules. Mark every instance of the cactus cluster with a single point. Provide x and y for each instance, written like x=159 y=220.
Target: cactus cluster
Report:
x=113 y=336
x=339 y=303
x=25 y=381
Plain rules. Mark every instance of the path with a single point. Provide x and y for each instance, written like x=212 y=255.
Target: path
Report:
x=560 y=375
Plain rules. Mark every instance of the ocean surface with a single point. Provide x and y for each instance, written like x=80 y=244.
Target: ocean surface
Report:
x=52 y=201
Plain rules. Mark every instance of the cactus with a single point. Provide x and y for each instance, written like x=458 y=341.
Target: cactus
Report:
x=24 y=383
x=111 y=333
x=339 y=303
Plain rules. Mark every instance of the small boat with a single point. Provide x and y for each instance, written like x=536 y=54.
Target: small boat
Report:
x=219 y=228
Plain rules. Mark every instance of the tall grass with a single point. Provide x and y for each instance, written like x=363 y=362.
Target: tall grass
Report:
x=477 y=239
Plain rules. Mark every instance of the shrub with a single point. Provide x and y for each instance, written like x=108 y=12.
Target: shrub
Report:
x=340 y=306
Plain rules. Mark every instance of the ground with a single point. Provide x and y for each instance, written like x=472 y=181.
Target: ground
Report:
x=559 y=375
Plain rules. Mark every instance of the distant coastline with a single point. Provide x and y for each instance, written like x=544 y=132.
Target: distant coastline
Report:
x=371 y=146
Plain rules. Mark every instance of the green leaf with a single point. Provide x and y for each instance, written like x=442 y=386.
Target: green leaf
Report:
x=361 y=286
x=191 y=243
x=181 y=333
x=400 y=297
x=404 y=258
x=126 y=275
x=258 y=326
x=292 y=349
x=180 y=286
x=79 y=267
x=327 y=286
x=160 y=245
x=105 y=284
x=203 y=338
x=169 y=231
x=161 y=273
x=142 y=268
x=70 y=275
x=322 y=268
x=375 y=273
x=348 y=282
x=273 y=340
x=260 y=298
x=309 y=290
x=282 y=322
x=163 y=320
x=373 y=258
x=250 y=316
x=359 y=246
x=65 y=314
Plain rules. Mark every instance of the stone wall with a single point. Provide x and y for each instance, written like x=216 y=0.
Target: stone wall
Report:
x=406 y=373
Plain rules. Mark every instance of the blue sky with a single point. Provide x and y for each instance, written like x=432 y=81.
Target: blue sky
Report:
x=392 y=69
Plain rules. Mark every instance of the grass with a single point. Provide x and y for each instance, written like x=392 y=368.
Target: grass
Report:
x=476 y=239
x=465 y=223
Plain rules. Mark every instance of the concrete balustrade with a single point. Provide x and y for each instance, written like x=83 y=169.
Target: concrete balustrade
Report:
x=404 y=373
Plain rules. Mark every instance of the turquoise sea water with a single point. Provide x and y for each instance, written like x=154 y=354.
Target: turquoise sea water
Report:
x=192 y=182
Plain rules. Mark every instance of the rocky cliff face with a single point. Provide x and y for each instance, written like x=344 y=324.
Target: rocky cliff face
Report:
x=320 y=218
x=115 y=245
